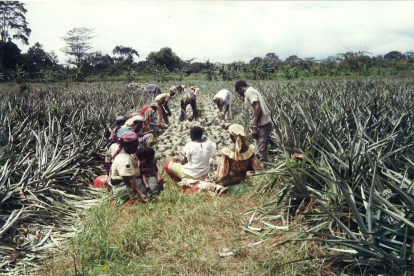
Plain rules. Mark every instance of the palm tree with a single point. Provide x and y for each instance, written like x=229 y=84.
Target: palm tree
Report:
x=223 y=71
x=259 y=70
x=210 y=72
x=288 y=72
x=49 y=75
x=160 y=72
x=130 y=74
x=77 y=74
x=181 y=73
x=19 y=75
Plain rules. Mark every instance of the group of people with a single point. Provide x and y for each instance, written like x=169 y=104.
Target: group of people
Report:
x=130 y=161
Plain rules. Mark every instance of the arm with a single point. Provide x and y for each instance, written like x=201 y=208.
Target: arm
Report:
x=167 y=109
x=130 y=182
x=257 y=113
x=181 y=159
x=226 y=109
x=223 y=167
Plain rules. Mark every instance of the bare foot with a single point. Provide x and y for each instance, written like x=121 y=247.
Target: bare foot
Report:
x=145 y=199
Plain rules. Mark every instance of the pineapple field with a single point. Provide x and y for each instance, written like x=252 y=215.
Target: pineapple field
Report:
x=347 y=202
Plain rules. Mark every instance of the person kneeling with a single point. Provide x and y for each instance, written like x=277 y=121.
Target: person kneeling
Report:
x=236 y=159
x=149 y=171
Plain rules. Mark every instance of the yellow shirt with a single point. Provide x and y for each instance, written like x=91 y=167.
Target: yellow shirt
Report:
x=163 y=98
x=125 y=164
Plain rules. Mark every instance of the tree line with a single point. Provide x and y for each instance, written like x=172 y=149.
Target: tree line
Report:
x=37 y=64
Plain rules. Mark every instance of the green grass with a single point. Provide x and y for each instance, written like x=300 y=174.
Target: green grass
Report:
x=176 y=235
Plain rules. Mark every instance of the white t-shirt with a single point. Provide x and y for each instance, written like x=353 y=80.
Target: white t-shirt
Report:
x=224 y=95
x=251 y=95
x=198 y=156
x=225 y=100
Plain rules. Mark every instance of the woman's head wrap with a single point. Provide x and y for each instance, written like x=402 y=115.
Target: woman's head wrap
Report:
x=146 y=112
x=237 y=131
x=127 y=137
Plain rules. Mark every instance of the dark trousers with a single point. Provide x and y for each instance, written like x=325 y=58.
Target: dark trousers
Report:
x=262 y=141
x=193 y=104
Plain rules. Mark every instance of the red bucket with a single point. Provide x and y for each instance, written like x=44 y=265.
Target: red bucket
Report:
x=99 y=182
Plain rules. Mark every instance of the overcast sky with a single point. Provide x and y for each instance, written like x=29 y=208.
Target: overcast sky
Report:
x=227 y=31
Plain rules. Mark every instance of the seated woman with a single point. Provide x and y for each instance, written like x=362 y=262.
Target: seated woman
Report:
x=112 y=146
x=148 y=113
x=195 y=160
x=237 y=159
x=125 y=169
x=145 y=138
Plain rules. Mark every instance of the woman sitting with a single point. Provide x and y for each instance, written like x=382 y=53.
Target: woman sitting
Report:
x=125 y=170
x=237 y=159
x=112 y=146
x=145 y=138
x=148 y=113
x=195 y=160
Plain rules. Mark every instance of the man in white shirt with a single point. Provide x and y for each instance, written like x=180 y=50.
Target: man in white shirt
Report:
x=223 y=99
x=261 y=117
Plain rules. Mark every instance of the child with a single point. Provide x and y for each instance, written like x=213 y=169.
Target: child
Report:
x=148 y=168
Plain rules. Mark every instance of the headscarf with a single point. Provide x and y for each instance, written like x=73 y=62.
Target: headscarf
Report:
x=237 y=131
x=126 y=137
x=147 y=112
x=113 y=135
x=120 y=119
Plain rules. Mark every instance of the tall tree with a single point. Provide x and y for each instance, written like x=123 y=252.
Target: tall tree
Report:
x=77 y=45
x=272 y=57
x=393 y=55
x=124 y=53
x=9 y=54
x=210 y=71
x=37 y=59
x=166 y=57
x=13 y=22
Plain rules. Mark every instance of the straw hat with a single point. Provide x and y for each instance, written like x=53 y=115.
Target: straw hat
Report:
x=174 y=89
x=237 y=130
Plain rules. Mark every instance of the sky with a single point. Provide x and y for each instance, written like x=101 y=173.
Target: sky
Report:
x=227 y=31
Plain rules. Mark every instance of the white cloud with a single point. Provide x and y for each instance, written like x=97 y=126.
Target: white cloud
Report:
x=227 y=31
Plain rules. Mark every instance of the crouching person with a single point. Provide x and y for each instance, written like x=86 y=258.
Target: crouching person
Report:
x=161 y=103
x=125 y=170
x=189 y=98
x=153 y=183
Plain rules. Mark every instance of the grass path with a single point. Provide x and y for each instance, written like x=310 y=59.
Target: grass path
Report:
x=181 y=234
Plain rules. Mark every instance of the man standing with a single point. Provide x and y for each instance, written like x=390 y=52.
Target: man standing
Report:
x=223 y=99
x=161 y=102
x=261 y=117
